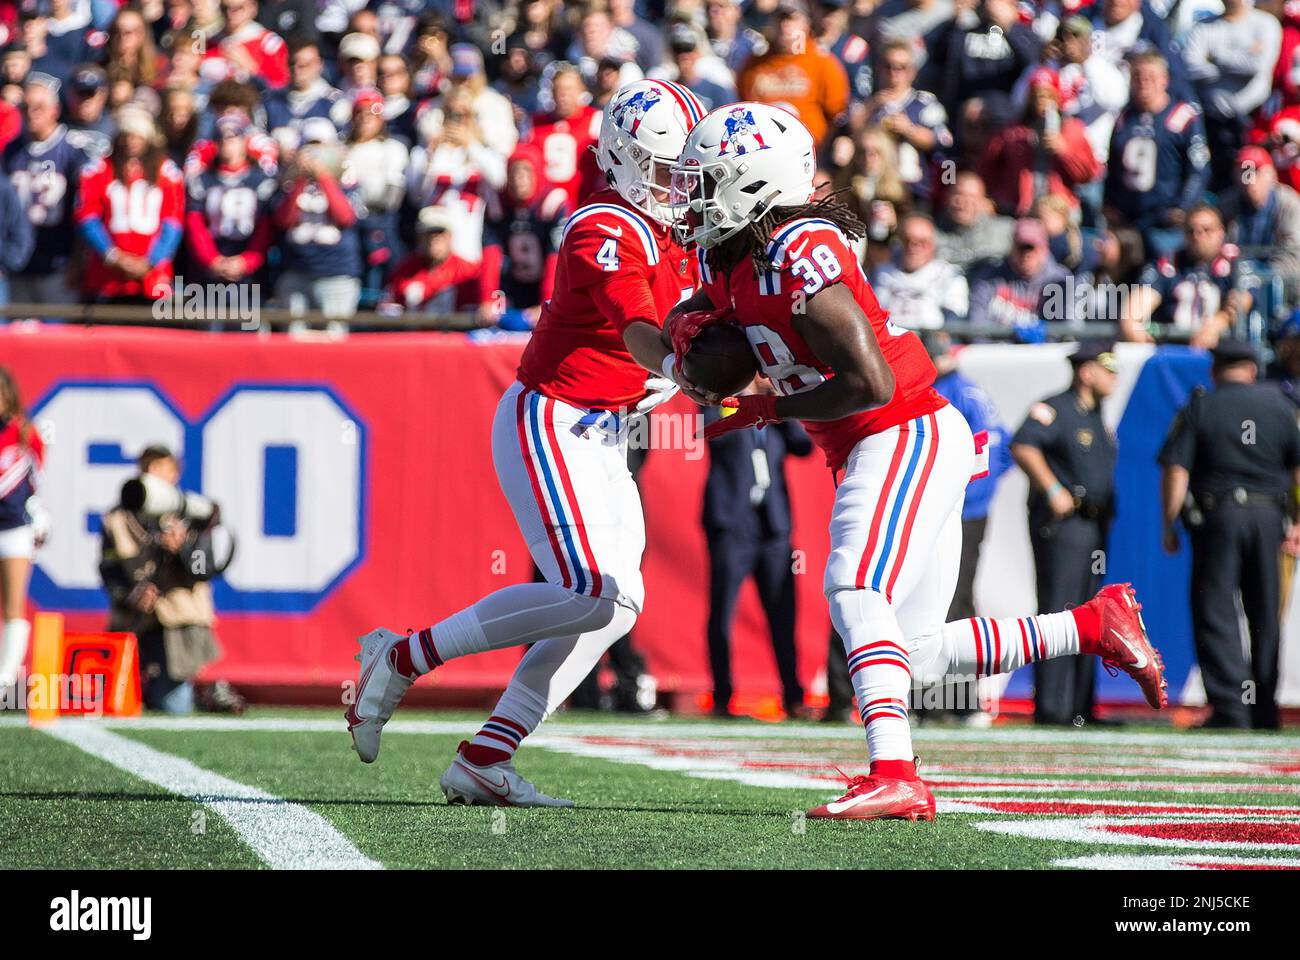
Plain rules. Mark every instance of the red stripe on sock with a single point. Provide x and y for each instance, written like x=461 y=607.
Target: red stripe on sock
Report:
x=996 y=665
x=979 y=647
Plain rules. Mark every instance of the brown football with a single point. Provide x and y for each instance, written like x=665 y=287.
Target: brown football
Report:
x=720 y=360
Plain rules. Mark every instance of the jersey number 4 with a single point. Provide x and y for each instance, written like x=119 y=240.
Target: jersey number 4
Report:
x=607 y=255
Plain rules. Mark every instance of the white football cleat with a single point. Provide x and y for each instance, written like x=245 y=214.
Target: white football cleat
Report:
x=496 y=785
x=378 y=691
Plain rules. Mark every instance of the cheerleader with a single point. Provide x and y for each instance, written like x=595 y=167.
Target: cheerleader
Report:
x=23 y=525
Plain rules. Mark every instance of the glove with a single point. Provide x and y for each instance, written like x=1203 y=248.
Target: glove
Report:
x=751 y=410
x=39 y=518
x=658 y=390
x=685 y=327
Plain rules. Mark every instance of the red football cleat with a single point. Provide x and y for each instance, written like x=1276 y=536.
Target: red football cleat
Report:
x=1123 y=643
x=874 y=797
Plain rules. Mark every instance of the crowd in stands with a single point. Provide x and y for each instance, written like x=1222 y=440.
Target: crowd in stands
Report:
x=1029 y=165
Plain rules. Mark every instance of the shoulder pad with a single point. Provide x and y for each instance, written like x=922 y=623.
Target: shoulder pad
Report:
x=608 y=219
x=789 y=238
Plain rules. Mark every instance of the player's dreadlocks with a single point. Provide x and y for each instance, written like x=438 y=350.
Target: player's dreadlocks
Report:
x=753 y=241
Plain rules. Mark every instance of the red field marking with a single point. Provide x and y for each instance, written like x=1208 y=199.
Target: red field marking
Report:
x=1198 y=833
x=1121 y=808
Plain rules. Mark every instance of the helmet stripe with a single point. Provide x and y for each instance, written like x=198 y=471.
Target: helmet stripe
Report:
x=696 y=111
x=685 y=99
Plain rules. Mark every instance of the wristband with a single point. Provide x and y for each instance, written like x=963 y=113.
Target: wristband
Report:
x=668 y=366
x=1051 y=491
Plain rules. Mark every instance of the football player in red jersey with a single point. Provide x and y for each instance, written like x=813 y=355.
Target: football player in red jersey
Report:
x=782 y=267
x=559 y=445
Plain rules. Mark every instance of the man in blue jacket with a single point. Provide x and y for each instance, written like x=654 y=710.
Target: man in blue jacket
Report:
x=16 y=236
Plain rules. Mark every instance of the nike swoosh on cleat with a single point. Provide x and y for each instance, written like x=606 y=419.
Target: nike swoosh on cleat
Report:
x=495 y=788
x=839 y=806
x=617 y=233
x=1139 y=658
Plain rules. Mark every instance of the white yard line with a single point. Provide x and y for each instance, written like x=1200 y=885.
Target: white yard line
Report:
x=1187 y=744
x=286 y=835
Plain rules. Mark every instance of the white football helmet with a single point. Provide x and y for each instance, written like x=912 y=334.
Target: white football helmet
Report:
x=739 y=162
x=641 y=133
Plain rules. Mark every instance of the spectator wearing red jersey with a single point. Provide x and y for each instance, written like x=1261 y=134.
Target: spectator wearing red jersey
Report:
x=426 y=280
x=129 y=215
x=564 y=135
x=1044 y=153
x=246 y=50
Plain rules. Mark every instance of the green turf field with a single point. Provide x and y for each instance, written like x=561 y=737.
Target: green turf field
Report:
x=282 y=788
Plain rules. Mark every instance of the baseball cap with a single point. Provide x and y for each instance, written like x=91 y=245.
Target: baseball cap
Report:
x=1101 y=352
x=367 y=98
x=433 y=220
x=1030 y=231
x=1234 y=351
x=1254 y=157
x=1045 y=77
x=683 y=38
x=1075 y=26
x=135 y=120
x=39 y=79
x=466 y=60
x=319 y=130
x=359 y=46
x=88 y=78
x=233 y=124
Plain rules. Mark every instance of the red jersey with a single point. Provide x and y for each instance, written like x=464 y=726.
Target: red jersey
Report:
x=808 y=255
x=264 y=48
x=564 y=143
x=418 y=286
x=616 y=265
x=22 y=454
x=134 y=214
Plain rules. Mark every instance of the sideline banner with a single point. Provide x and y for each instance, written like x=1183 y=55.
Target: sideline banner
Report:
x=357 y=478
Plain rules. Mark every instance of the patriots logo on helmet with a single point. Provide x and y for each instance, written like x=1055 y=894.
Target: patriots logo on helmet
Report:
x=741 y=133
x=635 y=107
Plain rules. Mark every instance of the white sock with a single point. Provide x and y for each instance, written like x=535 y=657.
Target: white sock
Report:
x=879 y=667
x=982 y=646
x=13 y=650
x=514 y=615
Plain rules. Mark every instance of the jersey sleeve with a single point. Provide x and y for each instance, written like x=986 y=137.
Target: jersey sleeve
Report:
x=609 y=256
x=811 y=256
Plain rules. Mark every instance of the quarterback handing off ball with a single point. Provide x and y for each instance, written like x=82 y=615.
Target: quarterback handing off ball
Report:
x=720 y=361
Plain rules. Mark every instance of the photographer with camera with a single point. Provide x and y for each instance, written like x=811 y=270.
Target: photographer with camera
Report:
x=161 y=548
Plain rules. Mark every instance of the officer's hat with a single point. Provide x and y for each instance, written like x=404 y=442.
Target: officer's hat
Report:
x=1229 y=352
x=1095 y=351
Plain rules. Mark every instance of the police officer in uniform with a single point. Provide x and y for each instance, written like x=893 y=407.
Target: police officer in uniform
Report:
x=1237 y=450
x=1069 y=456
